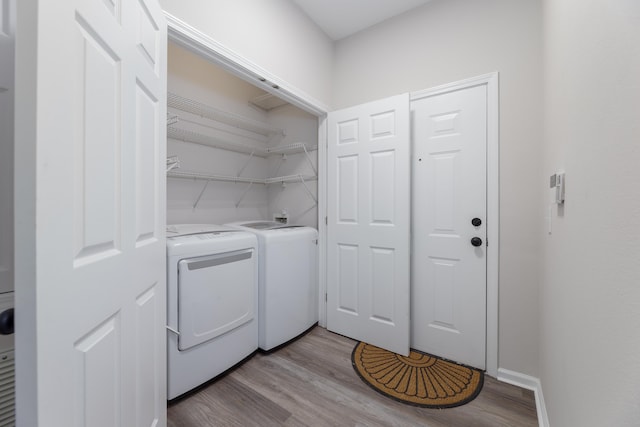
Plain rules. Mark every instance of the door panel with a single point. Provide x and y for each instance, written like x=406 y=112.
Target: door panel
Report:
x=97 y=195
x=147 y=143
x=449 y=190
x=99 y=290
x=149 y=365
x=347 y=189
x=97 y=363
x=347 y=269
x=368 y=223
x=383 y=164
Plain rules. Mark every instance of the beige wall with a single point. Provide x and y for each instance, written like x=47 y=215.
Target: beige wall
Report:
x=590 y=292
x=449 y=40
x=275 y=35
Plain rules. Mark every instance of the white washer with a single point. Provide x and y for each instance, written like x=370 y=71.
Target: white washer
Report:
x=212 y=295
x=288 y=280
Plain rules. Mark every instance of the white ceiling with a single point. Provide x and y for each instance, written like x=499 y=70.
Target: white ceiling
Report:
x=341 y=18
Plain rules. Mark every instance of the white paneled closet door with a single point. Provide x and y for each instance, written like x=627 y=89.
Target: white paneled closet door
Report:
x=368 y=223
x=7 y=91
x=7 y=39
x=98 y=114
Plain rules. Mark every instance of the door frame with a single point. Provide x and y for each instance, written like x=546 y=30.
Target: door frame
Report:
x=491 y=81
x=206 y=47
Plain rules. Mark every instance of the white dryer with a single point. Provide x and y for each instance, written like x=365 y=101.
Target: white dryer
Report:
x=7 y=360
x=212 y=295
x=288 y=284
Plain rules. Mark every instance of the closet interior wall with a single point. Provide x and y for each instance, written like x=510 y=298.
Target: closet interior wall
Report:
x=216 y=145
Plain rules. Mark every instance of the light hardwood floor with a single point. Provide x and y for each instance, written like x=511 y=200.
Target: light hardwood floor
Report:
x=311 y=383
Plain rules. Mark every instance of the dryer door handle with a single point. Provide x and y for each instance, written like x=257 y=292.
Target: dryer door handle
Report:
x=170 y=329
x=6 y=322
x=219 y=259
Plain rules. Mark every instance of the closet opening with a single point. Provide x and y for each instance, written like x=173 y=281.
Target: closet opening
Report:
x=209 y=50
x=235 y=151
x=238 y=154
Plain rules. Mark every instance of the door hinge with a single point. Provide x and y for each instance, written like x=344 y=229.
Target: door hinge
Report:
x=325 y=297
x=326 y=220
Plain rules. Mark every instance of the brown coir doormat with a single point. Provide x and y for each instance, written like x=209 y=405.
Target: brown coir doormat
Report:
x=419 y=379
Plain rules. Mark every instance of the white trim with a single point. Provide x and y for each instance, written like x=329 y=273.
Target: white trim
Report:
x=322 y=225
x=493 y=221
x=196 y=41
x=452 y=86
x=493 y=200
x=530 y=383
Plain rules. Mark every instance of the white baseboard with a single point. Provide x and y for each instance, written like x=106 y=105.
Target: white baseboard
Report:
x=530 y=383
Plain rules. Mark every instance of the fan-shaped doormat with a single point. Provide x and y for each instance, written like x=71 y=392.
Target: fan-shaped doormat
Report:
x=419 y=379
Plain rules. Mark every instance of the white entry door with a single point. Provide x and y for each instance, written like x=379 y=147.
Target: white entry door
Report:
x=449 y=217
x=368 y=223
x=91 y=125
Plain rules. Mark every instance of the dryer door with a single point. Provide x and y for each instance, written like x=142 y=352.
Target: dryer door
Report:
x=216 y=294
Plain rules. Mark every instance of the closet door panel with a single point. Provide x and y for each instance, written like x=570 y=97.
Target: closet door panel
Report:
x=368 y=223
x=92 y=145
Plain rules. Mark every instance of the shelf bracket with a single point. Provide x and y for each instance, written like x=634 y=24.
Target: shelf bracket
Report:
x=315 y=172
x=246 y=164
x=307 y=188
x=172 y=119
x=244 y=193
x=195 y=205
x=173 y=163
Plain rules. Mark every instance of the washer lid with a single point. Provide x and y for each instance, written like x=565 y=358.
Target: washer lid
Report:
x=174 y=230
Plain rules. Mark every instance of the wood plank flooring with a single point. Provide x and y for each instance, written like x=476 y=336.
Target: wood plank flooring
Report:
x=311 y=383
